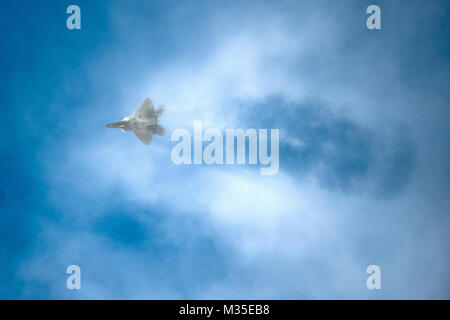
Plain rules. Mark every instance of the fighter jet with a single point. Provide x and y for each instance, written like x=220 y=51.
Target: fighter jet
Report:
x=144 y=122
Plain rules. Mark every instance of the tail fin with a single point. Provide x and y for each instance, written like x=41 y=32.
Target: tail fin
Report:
x=159 y=130
x=160 y=111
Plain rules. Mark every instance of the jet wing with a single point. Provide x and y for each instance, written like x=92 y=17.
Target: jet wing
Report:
x=144 y=134
x=146 y=110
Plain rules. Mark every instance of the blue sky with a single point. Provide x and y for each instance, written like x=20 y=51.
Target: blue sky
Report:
x=364 y=150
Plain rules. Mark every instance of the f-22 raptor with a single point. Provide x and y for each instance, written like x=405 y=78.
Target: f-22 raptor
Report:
x=144 y=122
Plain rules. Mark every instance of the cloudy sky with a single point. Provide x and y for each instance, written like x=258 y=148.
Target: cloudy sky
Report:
x=364 y=150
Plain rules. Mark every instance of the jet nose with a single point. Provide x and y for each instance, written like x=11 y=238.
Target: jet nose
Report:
x=115 y=125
